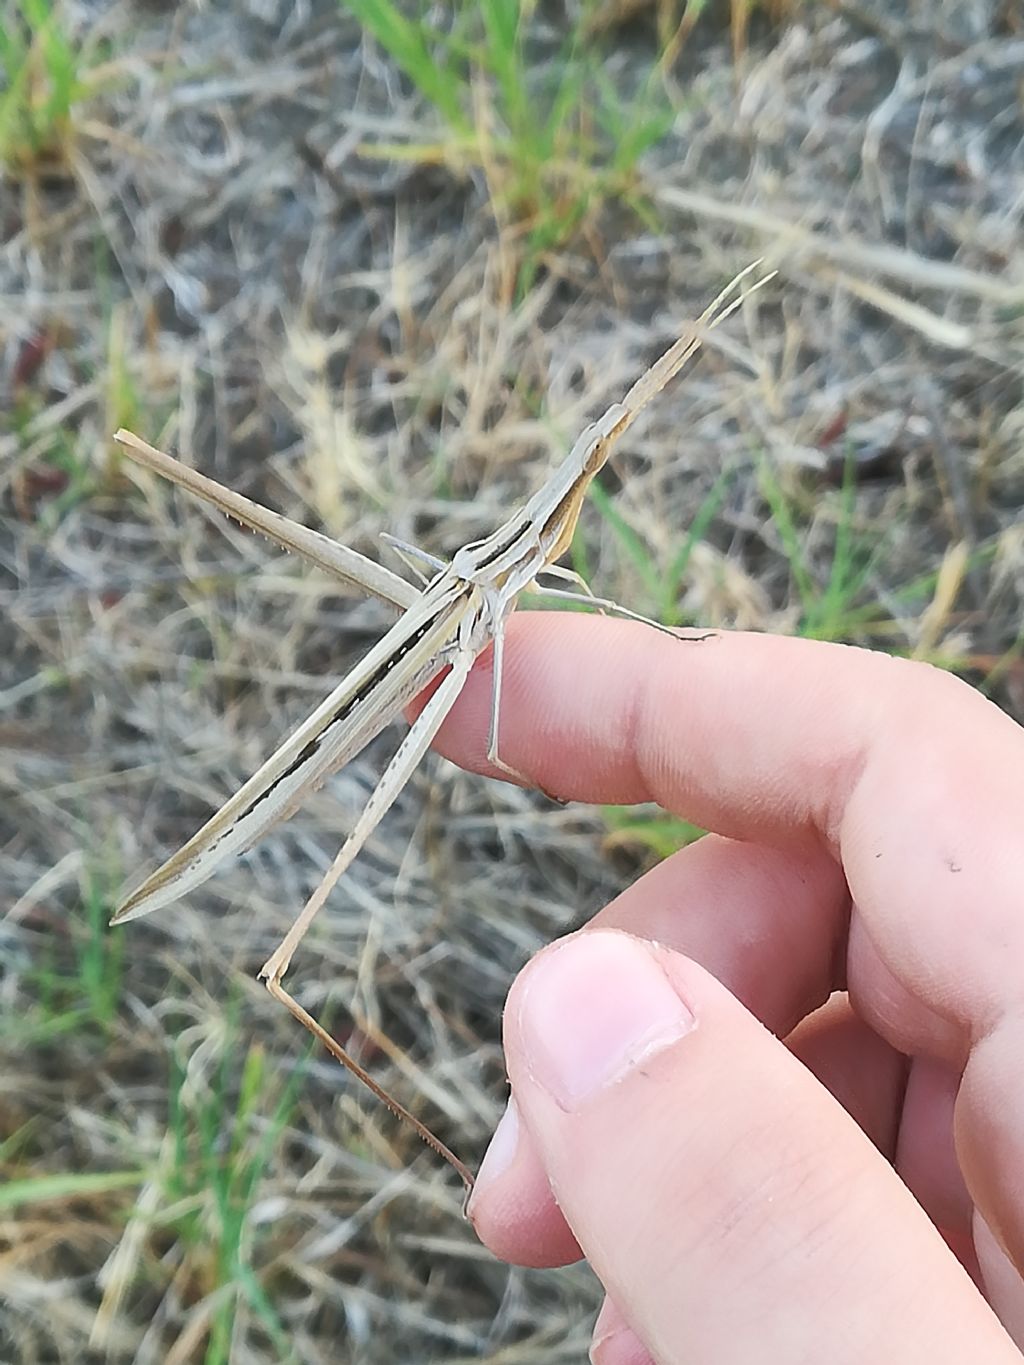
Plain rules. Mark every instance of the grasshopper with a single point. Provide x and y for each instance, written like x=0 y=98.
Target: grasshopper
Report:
x=444 y=626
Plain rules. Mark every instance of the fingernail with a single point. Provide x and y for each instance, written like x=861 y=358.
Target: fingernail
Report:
x=614 y=1342
x=500 y=1153
x=619 y=1347
x=593 y=1008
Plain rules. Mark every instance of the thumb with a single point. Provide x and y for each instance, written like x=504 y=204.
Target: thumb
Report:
x=731 y=1208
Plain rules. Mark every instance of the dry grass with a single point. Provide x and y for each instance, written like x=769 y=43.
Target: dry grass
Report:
x=213 y=265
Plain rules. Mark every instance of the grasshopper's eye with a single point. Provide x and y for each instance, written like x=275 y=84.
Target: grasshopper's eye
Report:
x=598 y=455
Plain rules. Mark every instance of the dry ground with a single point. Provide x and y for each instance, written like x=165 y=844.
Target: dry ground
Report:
x=214 y=257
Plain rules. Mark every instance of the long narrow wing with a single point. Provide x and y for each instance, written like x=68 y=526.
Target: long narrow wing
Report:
x=350 y=567
x=401 y=767
x=413 y=651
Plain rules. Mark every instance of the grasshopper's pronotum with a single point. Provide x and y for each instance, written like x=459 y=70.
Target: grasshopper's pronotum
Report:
x=444 y=626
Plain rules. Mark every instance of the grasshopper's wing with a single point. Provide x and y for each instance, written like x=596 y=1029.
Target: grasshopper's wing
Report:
x=399 y=665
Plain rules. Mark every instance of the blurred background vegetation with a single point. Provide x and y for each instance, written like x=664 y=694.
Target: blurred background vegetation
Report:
x=375 y=264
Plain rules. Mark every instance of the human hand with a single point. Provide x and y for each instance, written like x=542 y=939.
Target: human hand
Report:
x=869 y=838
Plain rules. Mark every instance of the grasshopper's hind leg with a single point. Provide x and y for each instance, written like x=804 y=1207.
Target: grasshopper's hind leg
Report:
x=394 y=778
x=348 y=566
x=318 y=1031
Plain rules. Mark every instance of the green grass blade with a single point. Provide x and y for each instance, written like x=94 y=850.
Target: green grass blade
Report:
x=426 y=66
x=504 y=58
x=706 y=513
x=72 y=1185
x=632 y=544
x=791 y=543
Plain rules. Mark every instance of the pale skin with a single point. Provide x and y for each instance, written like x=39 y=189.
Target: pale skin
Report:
x=864 y=1203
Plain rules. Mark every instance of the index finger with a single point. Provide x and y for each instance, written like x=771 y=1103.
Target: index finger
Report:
x=904 y=775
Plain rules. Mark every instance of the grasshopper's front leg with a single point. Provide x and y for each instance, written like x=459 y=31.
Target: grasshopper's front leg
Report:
x=605 y=604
